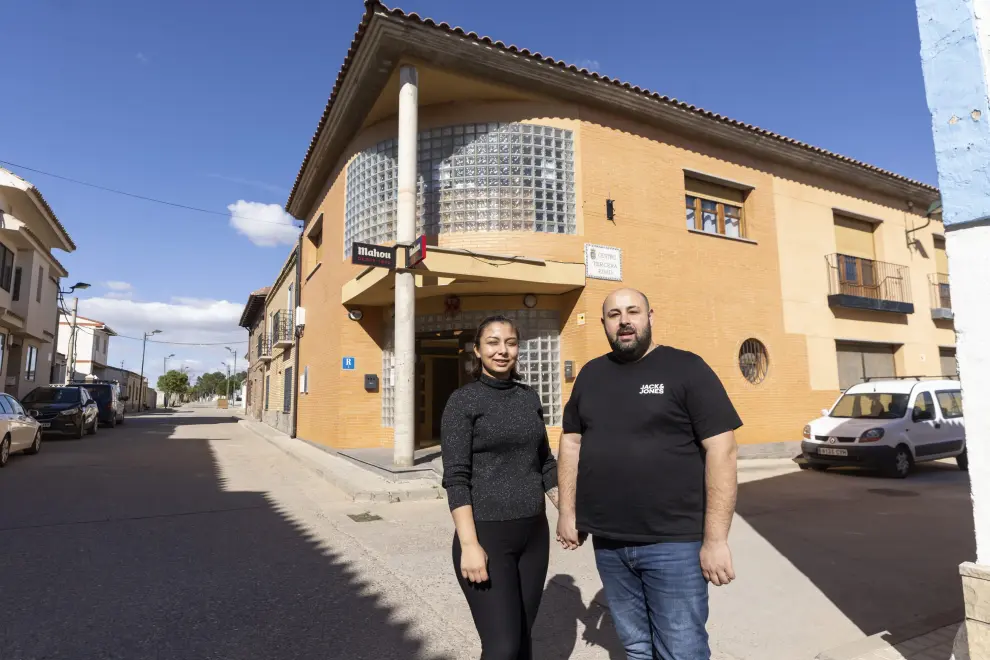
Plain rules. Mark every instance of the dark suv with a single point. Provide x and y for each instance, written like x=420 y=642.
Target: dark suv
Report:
x=67 y=410
x=108 y=398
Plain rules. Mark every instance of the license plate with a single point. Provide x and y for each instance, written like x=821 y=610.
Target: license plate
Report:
x=830 y=451
x=46 y=425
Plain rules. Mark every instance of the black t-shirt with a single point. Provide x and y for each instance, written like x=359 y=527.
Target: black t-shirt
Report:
x=641 y=475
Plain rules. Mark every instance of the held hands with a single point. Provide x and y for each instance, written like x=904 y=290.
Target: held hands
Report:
x=567 y=534
x=716 y=563
x=474 y=563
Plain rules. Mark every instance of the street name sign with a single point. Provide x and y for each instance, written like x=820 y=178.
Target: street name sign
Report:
x=416 y=252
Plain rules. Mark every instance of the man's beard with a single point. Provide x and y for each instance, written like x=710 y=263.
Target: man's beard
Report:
x=634 y=350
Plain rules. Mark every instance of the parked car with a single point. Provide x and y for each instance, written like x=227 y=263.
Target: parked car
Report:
x=64 y=410
x=890 y=425
x=18 y=431
x=108 y=400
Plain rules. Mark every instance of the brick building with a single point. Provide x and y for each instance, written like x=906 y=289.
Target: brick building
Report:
x=541 y=187
x=253 y=320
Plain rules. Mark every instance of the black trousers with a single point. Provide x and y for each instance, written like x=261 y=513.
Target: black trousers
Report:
x=504 y=608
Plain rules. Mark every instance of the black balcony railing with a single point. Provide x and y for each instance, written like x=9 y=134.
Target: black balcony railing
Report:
x=283 y=331
x=263 y=345
x=941 y=298
x=868 y=284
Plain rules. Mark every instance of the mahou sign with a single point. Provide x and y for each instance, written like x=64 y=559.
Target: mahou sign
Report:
x=365 y=254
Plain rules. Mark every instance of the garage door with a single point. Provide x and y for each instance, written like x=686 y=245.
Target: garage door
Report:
x=947 y=358
x=860 y=361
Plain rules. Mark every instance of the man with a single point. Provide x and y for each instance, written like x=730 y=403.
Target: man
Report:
x=652 y=430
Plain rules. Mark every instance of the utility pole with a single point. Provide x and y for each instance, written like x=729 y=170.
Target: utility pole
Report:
x=70 y=359
x=404 y=445
x=234 y=352
x=144 y=346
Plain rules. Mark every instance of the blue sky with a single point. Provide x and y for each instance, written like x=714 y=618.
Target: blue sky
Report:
x=212 y=103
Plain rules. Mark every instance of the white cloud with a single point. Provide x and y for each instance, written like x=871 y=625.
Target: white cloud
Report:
x=119 y=286
x=590 y=65
x=142 y=58
x=119 y=295
x=270 y=187
x=265 y=225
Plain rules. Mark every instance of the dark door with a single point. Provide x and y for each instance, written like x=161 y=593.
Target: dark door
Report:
x=446 y=379
x=287 y=391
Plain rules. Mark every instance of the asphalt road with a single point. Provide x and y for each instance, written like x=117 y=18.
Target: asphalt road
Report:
x=138 y=543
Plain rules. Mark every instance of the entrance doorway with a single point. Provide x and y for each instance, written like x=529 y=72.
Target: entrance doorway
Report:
x=443 y=364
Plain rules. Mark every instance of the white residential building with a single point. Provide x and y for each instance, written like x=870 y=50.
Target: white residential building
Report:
x=29 y=284
x=92 y=345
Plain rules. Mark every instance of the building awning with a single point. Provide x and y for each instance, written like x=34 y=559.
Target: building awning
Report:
x=449 y=272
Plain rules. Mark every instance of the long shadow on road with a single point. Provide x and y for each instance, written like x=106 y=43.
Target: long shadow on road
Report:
x=127 y=546
x=885 y=552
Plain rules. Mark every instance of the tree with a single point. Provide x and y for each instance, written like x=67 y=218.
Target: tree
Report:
x=173 y=382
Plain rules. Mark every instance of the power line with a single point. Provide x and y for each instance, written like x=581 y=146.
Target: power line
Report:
x=80 y=328
x=141 y=197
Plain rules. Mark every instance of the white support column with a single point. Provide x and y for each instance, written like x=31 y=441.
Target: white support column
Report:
x=405 y=285
x=955 y=56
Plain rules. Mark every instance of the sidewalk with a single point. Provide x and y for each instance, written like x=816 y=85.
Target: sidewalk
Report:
x=934 y=645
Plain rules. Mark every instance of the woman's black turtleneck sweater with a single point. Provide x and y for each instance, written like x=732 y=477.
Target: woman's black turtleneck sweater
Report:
x=495 y=451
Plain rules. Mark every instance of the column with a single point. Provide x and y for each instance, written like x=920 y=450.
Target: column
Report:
x=955 y=54
x=405 y=285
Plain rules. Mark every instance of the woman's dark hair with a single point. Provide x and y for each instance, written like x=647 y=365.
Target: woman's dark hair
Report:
x=491 y=320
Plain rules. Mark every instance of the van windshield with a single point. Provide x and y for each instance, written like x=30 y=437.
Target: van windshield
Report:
x=871 y=406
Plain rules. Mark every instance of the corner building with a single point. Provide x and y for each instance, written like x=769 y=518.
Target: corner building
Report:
x=793 y=271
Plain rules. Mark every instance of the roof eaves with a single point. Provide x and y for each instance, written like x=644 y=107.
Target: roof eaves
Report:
x=372 y=5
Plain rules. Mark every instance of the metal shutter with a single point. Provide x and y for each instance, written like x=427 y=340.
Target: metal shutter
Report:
x=860 y=361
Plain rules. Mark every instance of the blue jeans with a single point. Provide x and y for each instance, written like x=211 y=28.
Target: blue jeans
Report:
x=658 y=598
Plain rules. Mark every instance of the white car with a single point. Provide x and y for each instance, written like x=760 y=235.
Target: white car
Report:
x=18 y=432
x=890 y=425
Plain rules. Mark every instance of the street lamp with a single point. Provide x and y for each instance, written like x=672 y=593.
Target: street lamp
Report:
x=227 y=367
x=235 y=364
x=165 y=363
x=144 y=345
x=70 y=357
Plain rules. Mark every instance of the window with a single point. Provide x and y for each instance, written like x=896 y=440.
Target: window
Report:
x=473 y=177
x=291 y=304
x=924 y=407
x=754 y=361
x=267 y=389
x=3 y=349
x=41 y=283
x=16 y=407
x=316 y=238
x=947 y=361
x=951 y=404
x=304 y=381
x=713 y=208
x=32 y=364
x=287 y=391
x=857 y=362
x=5 y=406
x=6 y=267
x=16 y=293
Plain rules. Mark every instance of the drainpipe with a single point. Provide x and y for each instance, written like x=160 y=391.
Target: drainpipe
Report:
x=295 y=356
x=405 y=286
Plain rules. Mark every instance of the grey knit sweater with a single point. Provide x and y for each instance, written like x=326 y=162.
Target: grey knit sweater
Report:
x=495 y=451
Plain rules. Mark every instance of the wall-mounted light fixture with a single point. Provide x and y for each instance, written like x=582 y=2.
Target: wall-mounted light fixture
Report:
x=530 y=300
x=355 y=315
x=610 y=209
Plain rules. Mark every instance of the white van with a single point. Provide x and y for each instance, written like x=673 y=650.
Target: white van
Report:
x=890 y=425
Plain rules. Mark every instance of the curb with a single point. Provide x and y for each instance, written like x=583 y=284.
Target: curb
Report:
x=358 y=484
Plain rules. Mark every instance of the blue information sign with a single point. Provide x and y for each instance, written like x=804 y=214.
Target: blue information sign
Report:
x=347 y=364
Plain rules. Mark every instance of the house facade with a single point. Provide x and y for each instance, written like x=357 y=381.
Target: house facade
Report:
x=130 y=385
x=29 y=284
x=92 y=346
x=794 y=272
x=253 y=320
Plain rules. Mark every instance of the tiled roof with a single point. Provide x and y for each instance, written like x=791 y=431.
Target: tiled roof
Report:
x=255 y=301
x=31 y=189
x=372 y=5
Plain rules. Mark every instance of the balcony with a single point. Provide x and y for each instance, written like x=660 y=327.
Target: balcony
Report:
x=264 y=348
x=283 y=331
x=938 y=288
x=857 y=283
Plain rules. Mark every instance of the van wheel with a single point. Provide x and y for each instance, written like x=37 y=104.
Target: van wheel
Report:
x=962 y=460
x=900 y=463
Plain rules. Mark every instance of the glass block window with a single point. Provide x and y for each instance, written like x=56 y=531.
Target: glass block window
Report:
x=474 y=177
x=539 y=355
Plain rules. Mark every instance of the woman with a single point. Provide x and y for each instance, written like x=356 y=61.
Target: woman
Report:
x=496 y=467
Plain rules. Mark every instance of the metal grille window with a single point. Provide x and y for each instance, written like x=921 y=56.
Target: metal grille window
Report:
x=473 y=177
x=754 y=361
x=539 y=355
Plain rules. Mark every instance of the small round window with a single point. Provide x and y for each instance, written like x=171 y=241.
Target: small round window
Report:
x=754 y=361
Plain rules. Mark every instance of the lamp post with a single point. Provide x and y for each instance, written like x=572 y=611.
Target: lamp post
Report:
x=165 y=362
x=227 y=367
x=144 y=346
x=235 y=367
x=70 y=353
